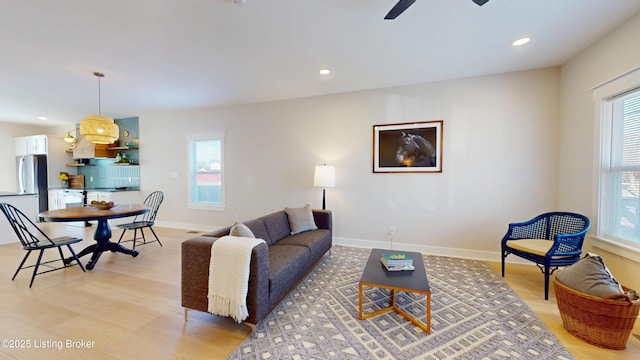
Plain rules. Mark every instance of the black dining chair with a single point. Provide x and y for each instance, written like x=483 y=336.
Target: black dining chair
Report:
x=33 y=238
x=146 y=220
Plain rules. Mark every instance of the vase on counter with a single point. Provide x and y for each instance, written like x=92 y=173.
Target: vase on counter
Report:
x=65 y=183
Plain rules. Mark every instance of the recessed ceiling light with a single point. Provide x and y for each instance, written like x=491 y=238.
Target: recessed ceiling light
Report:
x=42 y=118
x=325 y=72
x=521 y=41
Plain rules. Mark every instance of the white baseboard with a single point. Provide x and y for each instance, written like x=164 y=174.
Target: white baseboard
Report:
x=186 y=226
x=430 y=250
x=369 y=244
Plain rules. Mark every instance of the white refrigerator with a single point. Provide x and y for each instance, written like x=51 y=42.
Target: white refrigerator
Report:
x=32 y=178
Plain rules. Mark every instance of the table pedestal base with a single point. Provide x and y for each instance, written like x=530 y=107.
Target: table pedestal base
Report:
x=103 y=243
x=97 y=250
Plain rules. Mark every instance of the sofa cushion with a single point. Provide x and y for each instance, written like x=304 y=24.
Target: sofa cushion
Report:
x=241 y=230
x=277 y=226
x=287 y=264
x=591 y=276
x=258 y=229
x=300 y=219
x=318 y=242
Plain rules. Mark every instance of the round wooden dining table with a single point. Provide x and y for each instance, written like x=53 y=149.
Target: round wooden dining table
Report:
x=102 y=234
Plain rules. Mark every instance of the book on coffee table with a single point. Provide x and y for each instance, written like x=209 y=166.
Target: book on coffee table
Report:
x=398 y=267
x=397 y=261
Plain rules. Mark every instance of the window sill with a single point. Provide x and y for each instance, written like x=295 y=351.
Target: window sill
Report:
x=206 y=207
x=616 y=248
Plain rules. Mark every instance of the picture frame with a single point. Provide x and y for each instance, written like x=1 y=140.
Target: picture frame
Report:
x=408 y=147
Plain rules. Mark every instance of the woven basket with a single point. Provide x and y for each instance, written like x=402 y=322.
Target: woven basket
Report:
x=602 y=322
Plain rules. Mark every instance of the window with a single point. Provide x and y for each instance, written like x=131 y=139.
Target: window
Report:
x=619 y=210
x=206 y=180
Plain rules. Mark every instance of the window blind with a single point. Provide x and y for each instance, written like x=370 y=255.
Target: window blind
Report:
x=620 y=182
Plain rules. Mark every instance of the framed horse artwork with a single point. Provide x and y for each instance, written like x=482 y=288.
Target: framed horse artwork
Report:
x=408 y=147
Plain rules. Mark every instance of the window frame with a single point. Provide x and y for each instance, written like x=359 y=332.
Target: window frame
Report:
x=207 y=136
x=603 y=94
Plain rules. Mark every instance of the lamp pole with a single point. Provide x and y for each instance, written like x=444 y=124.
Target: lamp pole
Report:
x=324 y=204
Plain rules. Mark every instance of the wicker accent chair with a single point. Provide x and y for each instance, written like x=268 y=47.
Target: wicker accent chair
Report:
x=550 y=240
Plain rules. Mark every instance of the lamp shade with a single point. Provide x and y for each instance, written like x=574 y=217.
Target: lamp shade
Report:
x=99 y=129
x=325 y=176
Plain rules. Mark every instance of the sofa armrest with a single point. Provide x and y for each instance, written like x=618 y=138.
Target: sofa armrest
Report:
x=196 y=258
x=258 y=295
x=219 y=232
x=322 y=219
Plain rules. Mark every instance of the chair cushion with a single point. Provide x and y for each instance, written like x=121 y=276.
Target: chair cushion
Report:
x=241 y=230
x=591 y=276
x=538 y=247
x=300 y=219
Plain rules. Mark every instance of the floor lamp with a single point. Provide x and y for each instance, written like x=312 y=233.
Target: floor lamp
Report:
x=324 y=177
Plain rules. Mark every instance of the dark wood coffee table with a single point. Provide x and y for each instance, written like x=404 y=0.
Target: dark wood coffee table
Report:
x=415 y=281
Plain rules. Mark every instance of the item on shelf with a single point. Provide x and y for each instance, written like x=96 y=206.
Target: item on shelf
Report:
x=76 y=181
x=64 y=178
x=397 y=262
x=121 y=159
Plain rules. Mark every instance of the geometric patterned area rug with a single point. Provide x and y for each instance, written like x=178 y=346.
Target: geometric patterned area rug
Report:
x=474 y=315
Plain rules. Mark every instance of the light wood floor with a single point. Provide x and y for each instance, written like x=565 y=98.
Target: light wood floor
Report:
x=129 y=308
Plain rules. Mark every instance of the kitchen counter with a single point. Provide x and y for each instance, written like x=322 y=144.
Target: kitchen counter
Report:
x=27 y=203
x=96 y=189
x=9 y=193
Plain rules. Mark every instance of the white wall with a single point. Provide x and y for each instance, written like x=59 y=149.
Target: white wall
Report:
x=613 y=55
x=499 y=165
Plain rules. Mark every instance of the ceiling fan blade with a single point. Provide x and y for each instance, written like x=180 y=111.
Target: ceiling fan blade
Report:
x=399 y=8
x=480 y=2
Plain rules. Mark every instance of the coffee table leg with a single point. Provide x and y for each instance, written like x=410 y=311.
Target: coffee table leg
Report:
x=360 y=301
x=393 y=298
x=428 y=304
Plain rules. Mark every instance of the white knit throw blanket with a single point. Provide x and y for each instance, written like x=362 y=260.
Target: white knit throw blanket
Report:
x=229 y=276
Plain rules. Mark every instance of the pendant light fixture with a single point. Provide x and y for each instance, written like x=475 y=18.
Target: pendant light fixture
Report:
x=97 y=128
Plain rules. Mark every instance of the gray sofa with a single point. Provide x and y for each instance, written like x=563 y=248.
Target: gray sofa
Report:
x=276 y=267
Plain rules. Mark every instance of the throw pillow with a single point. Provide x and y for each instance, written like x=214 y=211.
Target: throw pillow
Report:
x=591 y=276
x=242 y=230
x=300 y=219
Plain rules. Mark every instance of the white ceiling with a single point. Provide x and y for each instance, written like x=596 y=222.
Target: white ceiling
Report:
x=168 y=54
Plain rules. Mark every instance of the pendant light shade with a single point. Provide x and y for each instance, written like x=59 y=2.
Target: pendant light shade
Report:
x=97 y=128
